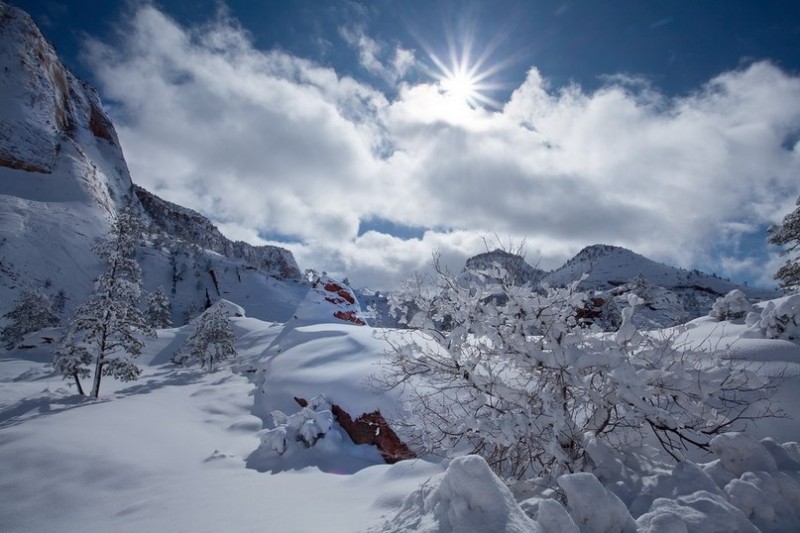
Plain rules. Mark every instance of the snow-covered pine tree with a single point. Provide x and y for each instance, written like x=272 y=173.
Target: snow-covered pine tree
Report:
x=106 y=326
x=213 y=339
x=787 y=235
x=31 y=312
x=518 y=378
x=158 y=312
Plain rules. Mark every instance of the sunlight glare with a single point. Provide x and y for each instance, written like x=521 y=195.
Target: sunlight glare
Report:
x=460 y=86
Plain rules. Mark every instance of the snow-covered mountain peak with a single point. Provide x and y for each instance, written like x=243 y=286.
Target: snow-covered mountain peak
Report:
x=51 y=123
x=671 y=295
x=515 y=265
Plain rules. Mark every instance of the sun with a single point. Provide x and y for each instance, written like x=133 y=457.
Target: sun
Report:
x=461 y=86
x=463 y=80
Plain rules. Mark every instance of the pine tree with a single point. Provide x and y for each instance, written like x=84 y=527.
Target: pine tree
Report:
x=31 y=312
x=158 y=313
x=106 y=326
x=787 y=235
x=213 y=339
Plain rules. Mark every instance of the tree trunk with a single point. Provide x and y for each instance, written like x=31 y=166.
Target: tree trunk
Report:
x=78 y=384
x=98 y=370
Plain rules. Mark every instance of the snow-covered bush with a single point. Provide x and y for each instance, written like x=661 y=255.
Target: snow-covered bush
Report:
x=159 y=314
x=31 y=312
x=305 y=427
x=212 y=341
x=732 y=306
x=781 y=320
x=530 y=403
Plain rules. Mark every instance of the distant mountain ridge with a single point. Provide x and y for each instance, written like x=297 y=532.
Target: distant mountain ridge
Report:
x=672 y=295
x=190 y=226
x=609 y=266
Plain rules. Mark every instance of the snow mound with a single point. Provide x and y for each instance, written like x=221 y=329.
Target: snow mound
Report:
x=751 y=486
x=780 y=319
x=468 y=497
x=739 y=453
x=228 y=308
x=593 y=508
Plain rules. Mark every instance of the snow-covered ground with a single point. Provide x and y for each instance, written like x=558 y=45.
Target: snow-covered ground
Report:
x=181 y=450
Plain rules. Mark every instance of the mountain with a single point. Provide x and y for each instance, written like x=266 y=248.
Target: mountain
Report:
x=63 y=178
x=611 y=266
x=671 y=295
x=514 y=265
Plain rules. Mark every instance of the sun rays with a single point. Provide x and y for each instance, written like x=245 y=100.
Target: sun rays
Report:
x=462 y=75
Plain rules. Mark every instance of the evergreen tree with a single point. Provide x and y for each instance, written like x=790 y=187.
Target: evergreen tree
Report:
x=787 y=235
x=158 y=313
x=212 y=341
x=32 y=312
x=104 y=329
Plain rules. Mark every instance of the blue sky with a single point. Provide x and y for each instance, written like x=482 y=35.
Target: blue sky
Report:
x=343 y=131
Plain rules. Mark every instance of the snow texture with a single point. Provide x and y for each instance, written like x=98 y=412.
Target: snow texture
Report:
x=467 y=498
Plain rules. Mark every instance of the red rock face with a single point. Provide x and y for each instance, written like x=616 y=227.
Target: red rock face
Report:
x=341 y=291
x=100 y=125
x=349 y=316
x=372 y=428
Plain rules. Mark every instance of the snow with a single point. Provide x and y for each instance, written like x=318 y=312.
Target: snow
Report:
x=467 y=498
x=168 y=452
x=182 y=449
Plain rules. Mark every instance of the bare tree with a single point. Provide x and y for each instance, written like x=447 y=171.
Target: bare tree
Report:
x=518 y=378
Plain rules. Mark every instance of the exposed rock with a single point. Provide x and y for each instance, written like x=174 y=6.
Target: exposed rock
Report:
x=372 y=428
x=100 y=125
x=349 y=316
x=23 y=165
x=194 y=228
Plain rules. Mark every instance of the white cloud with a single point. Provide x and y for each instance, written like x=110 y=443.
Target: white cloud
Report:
x=270 y=144
x=370 y=54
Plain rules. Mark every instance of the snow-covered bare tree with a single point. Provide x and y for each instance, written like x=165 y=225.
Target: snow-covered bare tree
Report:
x=787 y=235
x=31 y=312
x=107 y=327
x=159 y=314
x=518 y=378
x=213 y=339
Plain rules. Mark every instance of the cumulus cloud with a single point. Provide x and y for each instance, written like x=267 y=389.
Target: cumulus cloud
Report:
x=270 y=145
